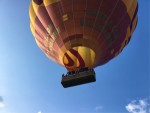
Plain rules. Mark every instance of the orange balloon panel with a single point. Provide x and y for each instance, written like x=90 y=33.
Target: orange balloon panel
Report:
x=82 y=33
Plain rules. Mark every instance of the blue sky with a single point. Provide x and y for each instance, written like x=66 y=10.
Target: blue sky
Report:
x=30 y=82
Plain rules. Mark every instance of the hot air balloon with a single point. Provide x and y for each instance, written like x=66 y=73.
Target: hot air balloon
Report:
x=82 y=34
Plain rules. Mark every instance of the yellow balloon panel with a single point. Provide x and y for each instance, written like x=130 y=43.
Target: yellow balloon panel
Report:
x=78 y=57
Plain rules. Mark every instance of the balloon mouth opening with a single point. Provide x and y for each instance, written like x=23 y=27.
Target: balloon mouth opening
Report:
x=79 y=57
x=38 y=2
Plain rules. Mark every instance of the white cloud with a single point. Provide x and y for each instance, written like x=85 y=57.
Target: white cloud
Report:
x=2 y=105
x=39 y=112
x=97 y=108
x=139 y=106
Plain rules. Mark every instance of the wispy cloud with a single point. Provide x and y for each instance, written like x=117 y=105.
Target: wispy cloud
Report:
x=139 y=106
x=97 y=108
x=2 y=105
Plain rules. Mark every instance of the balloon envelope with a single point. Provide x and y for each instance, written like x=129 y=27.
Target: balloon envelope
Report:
x=82 y=33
